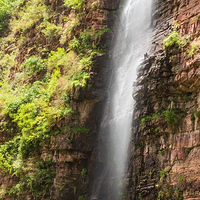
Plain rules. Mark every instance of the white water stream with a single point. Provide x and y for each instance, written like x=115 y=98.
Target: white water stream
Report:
x=132 y=42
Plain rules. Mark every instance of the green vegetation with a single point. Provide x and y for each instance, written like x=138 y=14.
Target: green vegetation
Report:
x=193 y=48
x=170 y=117
x=30 y=15
x=197 y=18
x=160 y=152
x=45 y=60
x=143 y=120
x=50 y=30
x=82 y=197
x=30 y=181
x=33 y=64
x=174 y=39
x=160 y=195
x=197 y=114
x=153 y=117
x=6 y=7
x=74 y=4
x=192 y=117
x=38 y=181
x=84 y=172
x=163 y=173
x=140 y=196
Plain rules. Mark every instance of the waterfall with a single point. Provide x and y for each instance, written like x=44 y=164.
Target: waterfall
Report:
x=132 y=42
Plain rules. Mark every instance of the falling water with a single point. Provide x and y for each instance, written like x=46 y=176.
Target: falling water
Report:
x=132 y=42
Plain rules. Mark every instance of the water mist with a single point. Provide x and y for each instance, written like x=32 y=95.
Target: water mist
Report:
x=132 y=42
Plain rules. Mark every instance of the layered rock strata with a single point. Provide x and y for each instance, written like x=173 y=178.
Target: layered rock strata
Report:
x=165 y=148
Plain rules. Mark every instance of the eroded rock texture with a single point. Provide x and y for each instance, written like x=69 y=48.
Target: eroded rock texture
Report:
x=73 y=138
x=165 y=148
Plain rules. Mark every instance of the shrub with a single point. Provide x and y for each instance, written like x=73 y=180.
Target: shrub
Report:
x=174 y=39
x=38 y=181
x=83 y=42
x=170 y=117
x=74 y=69
x=33 y=64
x=6 y=8
x=192 y=117
x=197 y=114
x=74 y=4
x=85 y=39
x=30 y=15
x=143 y=120
x=50 y=30
x=82 y=197
x=66 y=32
x=160 y=195
x=74 y=44
x=193 y=49
x=162 y=173
x=80 y=80
x=86 y=62
x=84 y=172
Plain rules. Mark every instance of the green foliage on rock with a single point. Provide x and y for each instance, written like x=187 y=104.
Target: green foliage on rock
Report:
x=30 y=15
x=75 y=4
x=197 y=114
x=170 y=116
x=33 y=64
x=174 y=39
x=45 y=60
x=6 y=7
x=193 y=48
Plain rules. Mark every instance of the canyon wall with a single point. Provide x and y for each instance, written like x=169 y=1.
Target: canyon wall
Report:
x=52 y=162
x=165 y=154
x=164 y=157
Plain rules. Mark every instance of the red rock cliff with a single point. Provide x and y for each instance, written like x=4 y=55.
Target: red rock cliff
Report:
x=165 y=147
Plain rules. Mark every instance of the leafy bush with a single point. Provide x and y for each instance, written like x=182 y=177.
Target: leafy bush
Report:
x=170 y=117
x=163 y=173
x=33 y=64
x=82 y=197
x=192 y=117
x=143 y=120
x=74 y=4
x=197 y=114
x=60 y=58
x=50 y=30
x=83 y=42
x=38 y=181
x=85 y=39
x=67 y=31
x=160 y=195
x=5 y=10
x=73 y=68
x=74 y=44
x=80 y=80
x=174 y=39
x=4 y=14
x=84 y=172
x=193 y=49
x=30 y=15
x=86 y=62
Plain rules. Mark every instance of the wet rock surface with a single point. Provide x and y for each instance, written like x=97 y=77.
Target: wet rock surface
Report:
x=164 y=156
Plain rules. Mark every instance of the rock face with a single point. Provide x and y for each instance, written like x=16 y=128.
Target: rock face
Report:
x=164 y=161
x=71 y=141
x=164 y=154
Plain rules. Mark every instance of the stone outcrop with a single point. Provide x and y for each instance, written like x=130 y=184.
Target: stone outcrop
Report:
x=164 y=161
x=73 y=138
x=164 y=154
